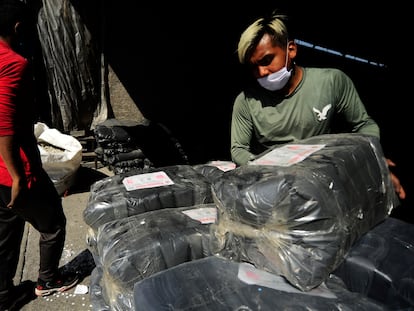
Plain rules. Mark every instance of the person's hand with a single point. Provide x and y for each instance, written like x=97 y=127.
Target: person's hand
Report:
x=18 y=190
x=399 y=189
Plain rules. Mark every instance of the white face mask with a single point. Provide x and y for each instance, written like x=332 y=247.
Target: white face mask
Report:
x=277 y=80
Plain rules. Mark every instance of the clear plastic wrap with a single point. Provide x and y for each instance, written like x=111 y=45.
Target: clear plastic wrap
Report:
x=380 y=264
x=219 y=284
x=110 y=199
x=133 y=248
x=299 y=219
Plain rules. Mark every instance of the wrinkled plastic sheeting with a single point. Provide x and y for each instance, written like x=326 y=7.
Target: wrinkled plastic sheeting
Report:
x=381 y=264
x=213 y=170
x=214 y=283
x=300 y=220
x=136 y=247
x=98 y=292
x=109 y=199
x=72 y=67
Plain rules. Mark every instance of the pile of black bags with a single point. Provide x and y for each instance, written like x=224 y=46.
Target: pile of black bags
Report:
x=126 y=145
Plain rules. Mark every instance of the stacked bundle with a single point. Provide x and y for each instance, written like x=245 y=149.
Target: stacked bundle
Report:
x=136 y=247
x=117 y=149
x=214 y=283
x=299 y=214
x=127 y=145
x=141 y=223
x=134 y=192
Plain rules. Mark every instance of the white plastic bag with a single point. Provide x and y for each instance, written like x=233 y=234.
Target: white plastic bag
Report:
x=61 y=155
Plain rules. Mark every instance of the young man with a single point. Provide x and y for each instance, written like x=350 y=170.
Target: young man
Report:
x=290 y=102
x=26 y=191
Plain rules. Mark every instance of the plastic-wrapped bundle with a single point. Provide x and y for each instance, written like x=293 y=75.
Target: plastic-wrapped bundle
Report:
x=381 y=264
x=114 y=158
x=213 y=170
x=209 y=171
x=138 y=246
x=117 y=148
x=109 y=198
x=113 y=132
x=97 y=292
x=299 y=220
x=153 y=139
x=214 y=283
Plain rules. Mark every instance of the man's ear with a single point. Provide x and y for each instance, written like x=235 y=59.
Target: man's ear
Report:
x=17 y=27
x=292 y=49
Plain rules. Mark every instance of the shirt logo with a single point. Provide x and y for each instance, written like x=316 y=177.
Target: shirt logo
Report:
x=322 y=114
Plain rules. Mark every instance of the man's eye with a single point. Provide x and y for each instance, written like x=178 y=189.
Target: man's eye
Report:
x=266 y=61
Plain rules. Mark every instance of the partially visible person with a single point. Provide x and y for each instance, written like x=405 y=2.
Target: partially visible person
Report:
x=288 y=102
x=27 y=194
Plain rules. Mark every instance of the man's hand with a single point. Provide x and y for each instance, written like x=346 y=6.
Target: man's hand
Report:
x=399 y=189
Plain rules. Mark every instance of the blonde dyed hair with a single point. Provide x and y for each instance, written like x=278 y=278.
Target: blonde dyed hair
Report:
x=275 y=26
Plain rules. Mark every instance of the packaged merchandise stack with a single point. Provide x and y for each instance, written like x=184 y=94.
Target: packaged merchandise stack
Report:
x=124 y=145
x=117 y=149
x=380 y=265
x=215 y=283
x=297 y=210
x=136 y=192
x=141 y=223
x=271 y=235
x=133 y=248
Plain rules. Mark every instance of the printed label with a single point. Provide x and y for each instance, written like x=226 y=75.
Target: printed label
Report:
x=287 y=155
x=205 y=215
x=148 y=180
x=251 y=275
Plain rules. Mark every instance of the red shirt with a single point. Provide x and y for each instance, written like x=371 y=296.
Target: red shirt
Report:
x=16 y=110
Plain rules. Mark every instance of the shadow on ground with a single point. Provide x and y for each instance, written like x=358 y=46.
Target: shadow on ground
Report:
x=82 y=264
x=85 y=177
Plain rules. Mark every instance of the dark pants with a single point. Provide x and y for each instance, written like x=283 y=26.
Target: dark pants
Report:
x=44 y=211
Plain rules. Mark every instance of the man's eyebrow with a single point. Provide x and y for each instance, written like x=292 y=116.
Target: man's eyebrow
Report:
x=265 y=60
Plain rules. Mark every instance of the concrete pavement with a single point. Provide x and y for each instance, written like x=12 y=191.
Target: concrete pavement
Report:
x=75 y=256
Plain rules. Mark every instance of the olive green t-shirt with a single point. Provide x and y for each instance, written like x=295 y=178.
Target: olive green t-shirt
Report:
x=262 y=119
